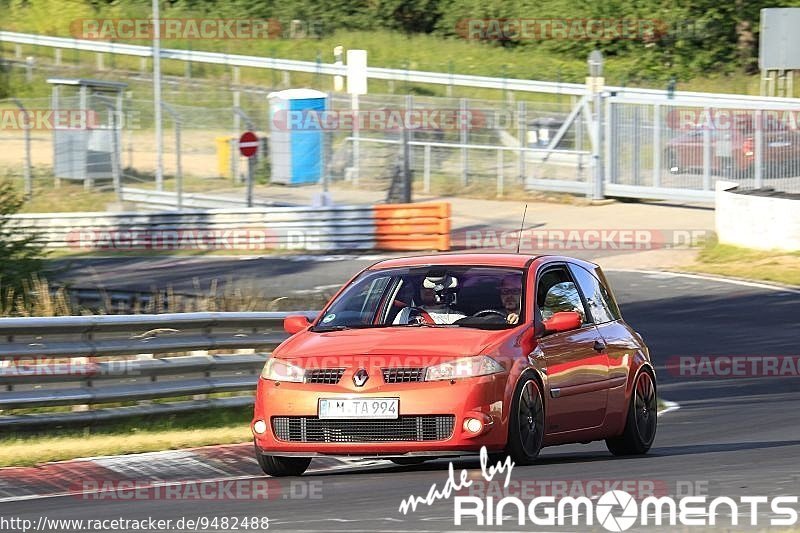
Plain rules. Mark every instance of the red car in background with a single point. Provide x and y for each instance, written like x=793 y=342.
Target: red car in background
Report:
x=441 y=355
x=731 y=149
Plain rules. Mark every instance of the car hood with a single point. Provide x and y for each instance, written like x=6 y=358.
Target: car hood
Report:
x=419 y=341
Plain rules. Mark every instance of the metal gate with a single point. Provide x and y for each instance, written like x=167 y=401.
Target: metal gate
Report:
x=676 y=149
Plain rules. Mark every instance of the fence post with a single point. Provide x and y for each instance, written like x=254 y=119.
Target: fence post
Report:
x=406 y=165
x=597 y=155
x=176 y=121
x=29 y=62
x=409 y=110
x=637 y=146
x=612 y=142
x=237 y=129
x=27 y=170
x=427 y=170
x=657 y=145
x=464 y=141
x=522 y=135
x=706 y=153
x=500 y=170
x=759 y=150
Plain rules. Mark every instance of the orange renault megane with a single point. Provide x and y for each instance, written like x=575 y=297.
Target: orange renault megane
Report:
x=440 y=355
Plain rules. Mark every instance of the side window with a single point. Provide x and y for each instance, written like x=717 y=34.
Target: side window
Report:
x=601 y=305
x=556 y=292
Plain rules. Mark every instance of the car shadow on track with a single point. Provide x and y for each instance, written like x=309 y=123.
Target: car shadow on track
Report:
x=572 y=458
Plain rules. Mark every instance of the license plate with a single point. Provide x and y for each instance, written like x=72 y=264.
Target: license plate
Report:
x=344 y=408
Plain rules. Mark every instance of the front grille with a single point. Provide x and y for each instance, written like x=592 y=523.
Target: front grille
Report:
x=324 y=376
x=403 y=429
x=403 y=375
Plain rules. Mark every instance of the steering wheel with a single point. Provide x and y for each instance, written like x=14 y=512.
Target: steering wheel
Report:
x=407 y=314
x=486 y=312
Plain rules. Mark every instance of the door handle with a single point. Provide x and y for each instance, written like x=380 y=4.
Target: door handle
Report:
x=599 y=345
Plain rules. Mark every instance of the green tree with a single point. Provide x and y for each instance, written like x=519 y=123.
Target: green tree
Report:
x=21 y=256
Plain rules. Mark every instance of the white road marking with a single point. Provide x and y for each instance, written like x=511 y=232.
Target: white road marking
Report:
x=743 y=283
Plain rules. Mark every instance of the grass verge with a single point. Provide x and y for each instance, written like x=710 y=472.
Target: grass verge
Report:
x=134 y=435
x=732 y=261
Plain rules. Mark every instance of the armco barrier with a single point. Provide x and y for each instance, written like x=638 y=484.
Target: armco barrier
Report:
x=96 y=360
x=291 y=228
x=405 y=227
x=412 y=226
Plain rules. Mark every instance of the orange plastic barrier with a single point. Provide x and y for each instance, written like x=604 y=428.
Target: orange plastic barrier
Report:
x=412 y=227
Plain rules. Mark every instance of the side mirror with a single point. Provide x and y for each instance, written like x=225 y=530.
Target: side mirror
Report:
x=294 y=323
x=562 y=321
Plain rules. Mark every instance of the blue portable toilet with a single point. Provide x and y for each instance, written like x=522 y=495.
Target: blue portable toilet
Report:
x=296 y=144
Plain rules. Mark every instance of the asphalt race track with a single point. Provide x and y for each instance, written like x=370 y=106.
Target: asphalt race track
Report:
x=731 y=436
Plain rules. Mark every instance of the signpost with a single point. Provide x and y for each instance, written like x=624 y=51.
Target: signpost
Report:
x=248 y=147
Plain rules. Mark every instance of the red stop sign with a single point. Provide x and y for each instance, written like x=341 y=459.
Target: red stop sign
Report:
x=248 y=144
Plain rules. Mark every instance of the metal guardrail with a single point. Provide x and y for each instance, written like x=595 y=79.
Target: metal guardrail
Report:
x=415 y=76
x=169 y=199
x=95 y=360
x=297 y=228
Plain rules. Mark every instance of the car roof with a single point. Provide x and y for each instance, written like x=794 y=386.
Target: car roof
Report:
x=479 y=259
x=483 y=259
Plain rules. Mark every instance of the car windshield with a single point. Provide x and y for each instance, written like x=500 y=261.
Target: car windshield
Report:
x=451 y=296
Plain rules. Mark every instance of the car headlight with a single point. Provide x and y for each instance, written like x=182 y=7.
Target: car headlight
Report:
x=280 y=370
x=466 y=367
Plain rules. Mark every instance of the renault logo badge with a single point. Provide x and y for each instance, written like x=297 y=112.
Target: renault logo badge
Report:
x=360 y=377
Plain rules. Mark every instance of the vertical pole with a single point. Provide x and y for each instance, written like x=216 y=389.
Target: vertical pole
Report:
x=58 y=57
x=522 y=135
x=406 y=165
x=29 y=69
x=611 y=154
x=426 y=184
x=237 y=128
x=157 y=98
x=500 y=170
x=27 y=170
x=251 y=163
x=88 y=181
x=409 y=110
x=657 y=145
x=356 y=147
x=759 y=150
x=706 y=154
x=119 y=112
x=464 y=141
x=637 y=145
x=178 y=165
x=54 y=101
x=597 y=162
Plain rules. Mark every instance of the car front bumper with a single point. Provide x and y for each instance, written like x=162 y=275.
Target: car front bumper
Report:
x=426 y=411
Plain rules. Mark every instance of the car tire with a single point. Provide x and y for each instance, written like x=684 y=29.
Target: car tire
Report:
x=642 y=419
x=408 y=461
x=526 y=424
x=277 y=466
